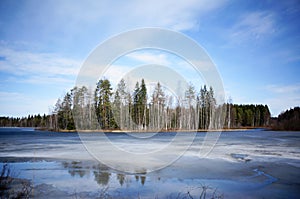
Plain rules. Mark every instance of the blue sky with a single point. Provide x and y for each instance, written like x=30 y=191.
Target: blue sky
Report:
x=255 y=45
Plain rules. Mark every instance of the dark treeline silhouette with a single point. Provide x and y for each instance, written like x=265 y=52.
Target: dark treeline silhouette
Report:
x=123 y=109
x=247 y=116
x=29 y=121
x=288 y=120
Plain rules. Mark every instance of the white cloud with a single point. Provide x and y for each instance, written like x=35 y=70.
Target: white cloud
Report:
x=38 y=67
x=115 y=73
x=48 y=80
x=133 y=68
x=149 y=58
x=70 y=16
x=283 y=97
x=17 y=104
x=285 y=89
x=81 y=24
x=280 y=104
x=7 y=96
x=253 y=26
x=287 y=56
x=180 y=15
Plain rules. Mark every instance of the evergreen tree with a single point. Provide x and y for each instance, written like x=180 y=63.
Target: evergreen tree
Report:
x=143 y=104
x=136 y=104
x=103 y=94
x=64 y=113
x=288 y=120
x=140 y=105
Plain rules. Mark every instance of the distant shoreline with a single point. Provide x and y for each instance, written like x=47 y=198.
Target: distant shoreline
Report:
x=151 y=131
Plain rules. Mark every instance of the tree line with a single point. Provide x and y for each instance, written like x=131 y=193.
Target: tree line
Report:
x=29 y=121
x=247 y=116
x=287 y=120
x=135 y=110
x=108 y=109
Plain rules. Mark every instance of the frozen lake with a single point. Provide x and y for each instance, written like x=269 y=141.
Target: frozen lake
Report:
x=242 y=164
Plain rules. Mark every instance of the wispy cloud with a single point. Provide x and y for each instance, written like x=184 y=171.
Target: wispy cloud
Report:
x=280 y=104
x=71 y=17
x=149 y=58
x=35 y=67
x=283 y=97
x=287 y=56
x=18 y=104
x=7 y=96
x=253 y=26
x=116 y=72
x=182 y=15
x=284 y=89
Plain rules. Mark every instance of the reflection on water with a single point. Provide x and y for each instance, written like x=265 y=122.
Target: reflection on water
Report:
x=75 y=169
x=143 y=179
x=88 y=179
x=102 y=178
x=102 y=174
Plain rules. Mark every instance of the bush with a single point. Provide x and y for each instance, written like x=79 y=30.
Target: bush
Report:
x=9 y=186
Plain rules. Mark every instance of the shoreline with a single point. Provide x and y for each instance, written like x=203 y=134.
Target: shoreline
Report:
x=151 y=131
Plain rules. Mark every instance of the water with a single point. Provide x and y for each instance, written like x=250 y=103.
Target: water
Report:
x=243 y=164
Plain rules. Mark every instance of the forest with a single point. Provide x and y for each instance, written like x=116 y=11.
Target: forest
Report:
x=139 y=110
x=288 y=120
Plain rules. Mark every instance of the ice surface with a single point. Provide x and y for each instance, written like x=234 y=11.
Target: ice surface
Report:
x=248 y=164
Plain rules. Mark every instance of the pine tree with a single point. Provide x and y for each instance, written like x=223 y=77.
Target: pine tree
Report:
x=136 y=101
x=143 y=105
x=103 y=94
x=140 y=105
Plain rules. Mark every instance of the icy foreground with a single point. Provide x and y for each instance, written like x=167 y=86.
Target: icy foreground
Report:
x=243 y=164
